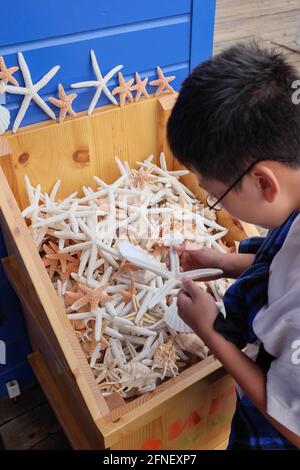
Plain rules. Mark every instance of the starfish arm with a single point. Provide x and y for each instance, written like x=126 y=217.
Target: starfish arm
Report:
x=109 y=95
x=21 y=113
x=39 y=101
x=46 y=78
x=94 y=100
x=56 y=102
x=86 y=84
x=16 y=90
x=13 y=80
x=162 y=292
x=92 y=262
x=25 y=70
x=96 y=66
x=112 y=72
x=62 y=115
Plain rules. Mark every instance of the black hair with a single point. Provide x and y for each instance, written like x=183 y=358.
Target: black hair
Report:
x=234 y=109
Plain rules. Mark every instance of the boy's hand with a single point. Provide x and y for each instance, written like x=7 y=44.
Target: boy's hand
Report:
x=191 y=258
x=232 y=264
x=197 y=308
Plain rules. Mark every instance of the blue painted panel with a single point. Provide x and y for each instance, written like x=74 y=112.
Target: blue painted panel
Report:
x=202 y=31
x=32 y=21
x=136 y=51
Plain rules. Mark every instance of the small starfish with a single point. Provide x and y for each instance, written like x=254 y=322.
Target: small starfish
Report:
x=6 y=74
x=163 y=83
x=91 y=296
x=140 y=87
x=128 y=294
x=142 y=177
x=51 y=264
x=60 y=257
x=124 y=89
x=71 y=268
x=64 y=103
x=71 y=296
x=125 y=268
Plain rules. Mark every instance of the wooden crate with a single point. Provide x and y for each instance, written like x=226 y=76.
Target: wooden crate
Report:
x=191 y=411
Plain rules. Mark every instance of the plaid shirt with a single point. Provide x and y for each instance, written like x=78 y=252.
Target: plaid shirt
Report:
x=250 y=430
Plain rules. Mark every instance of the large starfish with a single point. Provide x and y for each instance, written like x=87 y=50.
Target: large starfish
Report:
x=91 y=296
x=100 y=83
x=140 y=87
x=64 y=103
x=30 y=91
x=162 y=83
x=124 y=89
x=6 y=74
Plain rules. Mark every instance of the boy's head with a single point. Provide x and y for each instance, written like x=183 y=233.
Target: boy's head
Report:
x=232 y=111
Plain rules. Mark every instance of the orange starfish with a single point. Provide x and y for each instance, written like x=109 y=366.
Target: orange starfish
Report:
x=125 y=267
x=51 y=264
x=71 y=268
x=163 y=83
x=71 y=296
x=91 y=296
x=60 y=257
x=124 y=89
x=6 y=74
x=128 y=294
x=64 y=103
x=141 y=177
x=140 y=87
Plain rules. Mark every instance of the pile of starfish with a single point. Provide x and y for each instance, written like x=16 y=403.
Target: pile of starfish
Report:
x=30 y=90
x=116 y=306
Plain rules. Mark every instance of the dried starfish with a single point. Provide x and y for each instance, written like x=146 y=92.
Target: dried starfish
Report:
x=91 y=296
x=124 y=89
x=6 y=74
x=140 y=87
x=165 y=358
x=163 y=83
x=132 y=290
x=30 y=91
x=60 y=257
x=141 y=178
x=50 y=263
x=100 y=83
x=64 y=103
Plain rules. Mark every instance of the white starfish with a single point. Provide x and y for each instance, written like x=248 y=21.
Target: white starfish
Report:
x=172 y=278
x=30 y=91
x=100 y=83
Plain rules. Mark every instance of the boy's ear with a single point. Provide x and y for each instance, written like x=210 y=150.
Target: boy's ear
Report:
x=266 y=181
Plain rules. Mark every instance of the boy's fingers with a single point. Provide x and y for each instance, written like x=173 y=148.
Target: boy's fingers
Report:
x=190 y=287
x=183 y=299
x=179 y=249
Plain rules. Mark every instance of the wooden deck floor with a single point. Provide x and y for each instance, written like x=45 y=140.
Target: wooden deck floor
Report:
x=272 y=22
x=29 y=423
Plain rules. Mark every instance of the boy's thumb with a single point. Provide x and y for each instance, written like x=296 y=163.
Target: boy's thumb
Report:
x=189 y=286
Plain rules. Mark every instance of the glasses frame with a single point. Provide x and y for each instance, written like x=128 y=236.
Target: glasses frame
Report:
x=213 y=206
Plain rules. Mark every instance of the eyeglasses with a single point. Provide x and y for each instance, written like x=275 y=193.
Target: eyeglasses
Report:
x=214 y=203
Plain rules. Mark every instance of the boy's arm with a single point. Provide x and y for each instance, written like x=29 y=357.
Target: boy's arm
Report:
x=250 y=377
x=233 y=264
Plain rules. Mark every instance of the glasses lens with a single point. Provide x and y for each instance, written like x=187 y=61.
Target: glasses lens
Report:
x=211 y=201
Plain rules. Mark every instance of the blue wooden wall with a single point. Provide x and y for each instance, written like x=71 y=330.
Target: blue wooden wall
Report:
x=140 y=34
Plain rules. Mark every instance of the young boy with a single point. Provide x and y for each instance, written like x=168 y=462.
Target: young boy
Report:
x=236 y=127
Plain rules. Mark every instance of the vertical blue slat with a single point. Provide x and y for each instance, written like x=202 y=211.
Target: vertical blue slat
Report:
x=202 y=31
